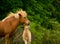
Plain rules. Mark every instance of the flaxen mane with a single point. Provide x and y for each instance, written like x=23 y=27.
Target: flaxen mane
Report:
x=10 y=15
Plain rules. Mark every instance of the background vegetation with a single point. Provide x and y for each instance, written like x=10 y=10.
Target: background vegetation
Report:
x=44 y=16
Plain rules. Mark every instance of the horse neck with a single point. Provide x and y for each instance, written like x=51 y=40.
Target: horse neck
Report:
x=12 y=20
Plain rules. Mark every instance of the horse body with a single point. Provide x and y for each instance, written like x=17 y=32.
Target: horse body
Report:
x=10 y=23
x=26 y=35
x=8 y=26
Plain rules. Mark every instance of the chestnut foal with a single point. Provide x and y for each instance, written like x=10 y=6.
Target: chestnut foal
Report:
x=26 y=35
x=9 y=24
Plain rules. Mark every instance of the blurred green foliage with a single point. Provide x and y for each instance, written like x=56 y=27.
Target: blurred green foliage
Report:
x=43 y=14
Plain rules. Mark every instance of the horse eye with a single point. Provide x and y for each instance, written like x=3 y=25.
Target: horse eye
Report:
x=19 y=14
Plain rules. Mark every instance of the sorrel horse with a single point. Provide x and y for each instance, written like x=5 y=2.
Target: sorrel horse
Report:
x=9 y=24
x=26 y=35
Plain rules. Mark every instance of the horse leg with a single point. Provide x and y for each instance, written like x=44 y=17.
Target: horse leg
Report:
x=6 y=38
x=25 y=41
x=29 y=42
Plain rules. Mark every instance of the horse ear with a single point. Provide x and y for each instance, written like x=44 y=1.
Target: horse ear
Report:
x=21 y=9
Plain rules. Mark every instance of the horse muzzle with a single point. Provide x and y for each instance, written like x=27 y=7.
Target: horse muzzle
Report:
x=28 y=22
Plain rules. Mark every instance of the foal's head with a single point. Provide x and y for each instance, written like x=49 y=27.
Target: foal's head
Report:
x=26 y=26
x=23 y=17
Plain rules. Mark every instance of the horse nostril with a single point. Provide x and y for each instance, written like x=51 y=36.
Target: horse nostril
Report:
x=29 y=23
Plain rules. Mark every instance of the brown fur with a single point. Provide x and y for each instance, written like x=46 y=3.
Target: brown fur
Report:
x=9 y=24
x=26 y=35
